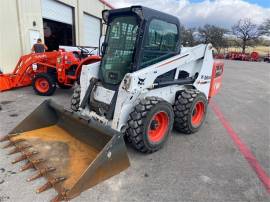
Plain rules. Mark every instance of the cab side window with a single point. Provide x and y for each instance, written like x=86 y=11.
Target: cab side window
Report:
x=161 y=42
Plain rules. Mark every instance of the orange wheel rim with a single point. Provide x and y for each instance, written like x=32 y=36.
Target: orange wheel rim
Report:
x=198 y=114
x=158 y=127
x=42 y=85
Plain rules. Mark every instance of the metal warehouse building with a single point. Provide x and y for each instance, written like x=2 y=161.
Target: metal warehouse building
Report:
x=57 y=22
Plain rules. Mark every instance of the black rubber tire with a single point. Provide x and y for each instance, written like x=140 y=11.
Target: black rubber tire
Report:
x=139 y=120
x=75 y=99
x=50 y=79
x=62 y=86
x=183 y=109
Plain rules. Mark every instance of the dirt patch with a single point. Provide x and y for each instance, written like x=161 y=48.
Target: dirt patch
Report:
x=4 y=198
x=11 y=172
x=6 y=102
x=13 y=115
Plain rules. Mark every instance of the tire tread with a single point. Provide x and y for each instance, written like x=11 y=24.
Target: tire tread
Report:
x=135 y=122
x=182 y=108
x=75 y=99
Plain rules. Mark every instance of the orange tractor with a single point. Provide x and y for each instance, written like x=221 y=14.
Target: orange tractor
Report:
x=46 y=71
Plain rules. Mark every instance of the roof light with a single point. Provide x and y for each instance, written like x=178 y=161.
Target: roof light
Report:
x=138 y=11
x=105 y=15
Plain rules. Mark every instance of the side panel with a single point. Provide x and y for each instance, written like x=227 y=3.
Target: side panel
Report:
x=144 y=78
x=129 y=101
x=217 y=73
x=88 y=71
x=202 y=83
x=124 y=105
x=137 y=85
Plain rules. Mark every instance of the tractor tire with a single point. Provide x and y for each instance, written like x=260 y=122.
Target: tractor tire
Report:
x=44 y=84
x=75 y=99
x=189 y=111
x=150 y=124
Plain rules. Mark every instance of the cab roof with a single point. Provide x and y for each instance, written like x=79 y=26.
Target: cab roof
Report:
x=142 y=12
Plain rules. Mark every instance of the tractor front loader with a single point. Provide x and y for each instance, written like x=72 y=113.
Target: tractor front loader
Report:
x=44 y=71
x=26 y=69
x=145 y=84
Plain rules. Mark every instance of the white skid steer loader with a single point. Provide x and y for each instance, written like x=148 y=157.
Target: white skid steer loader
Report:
x=145 y=84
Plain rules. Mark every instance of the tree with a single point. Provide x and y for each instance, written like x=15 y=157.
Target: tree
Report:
x=214 y=35
x=265 y=28
x=187 y=37
x=246 y=31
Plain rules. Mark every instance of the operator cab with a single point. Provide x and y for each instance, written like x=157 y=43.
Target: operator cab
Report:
x=136 y=37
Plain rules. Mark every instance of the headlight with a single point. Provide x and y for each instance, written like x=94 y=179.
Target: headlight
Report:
x=138 y=11
x=105 y=15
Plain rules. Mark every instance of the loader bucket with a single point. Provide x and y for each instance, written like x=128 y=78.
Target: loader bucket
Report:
x=5 y=82
x=74 y=153
x=10 y=81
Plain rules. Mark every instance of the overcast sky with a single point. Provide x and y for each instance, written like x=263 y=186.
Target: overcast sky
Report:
x=193 y=13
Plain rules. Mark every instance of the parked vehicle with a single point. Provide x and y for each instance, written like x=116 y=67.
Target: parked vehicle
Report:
x=47 y=70
x=267 y=58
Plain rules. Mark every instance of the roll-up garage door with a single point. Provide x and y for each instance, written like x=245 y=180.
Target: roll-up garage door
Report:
x=92 y=30
x=56 y=11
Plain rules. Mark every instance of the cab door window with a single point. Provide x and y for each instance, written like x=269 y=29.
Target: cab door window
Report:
x=161 y=42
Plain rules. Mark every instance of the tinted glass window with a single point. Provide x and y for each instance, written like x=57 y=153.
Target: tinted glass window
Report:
x=121 y=38
x=161 y=42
